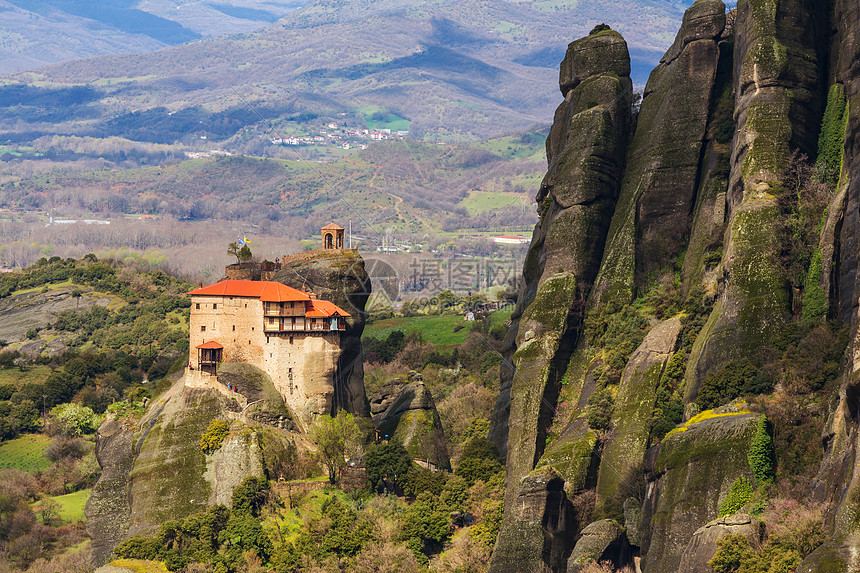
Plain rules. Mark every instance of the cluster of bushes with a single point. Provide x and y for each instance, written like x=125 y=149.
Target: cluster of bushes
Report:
x=618 y=332
x=793 y=532
x=92 y=379
x=220 y=538
x=28 y=537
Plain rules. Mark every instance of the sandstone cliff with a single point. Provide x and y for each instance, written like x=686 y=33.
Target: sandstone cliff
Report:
x=153 y=468
x=656 y=274
x=339 y=276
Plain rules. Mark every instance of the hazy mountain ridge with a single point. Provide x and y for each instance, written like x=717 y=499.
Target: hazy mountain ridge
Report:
x=457 y=69
x=44 y=32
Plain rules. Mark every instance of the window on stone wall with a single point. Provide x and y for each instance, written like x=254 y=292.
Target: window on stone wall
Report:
x=214 y=306
x=234 y=328
x=291 y=340
x=197 y=306
x=202 y=328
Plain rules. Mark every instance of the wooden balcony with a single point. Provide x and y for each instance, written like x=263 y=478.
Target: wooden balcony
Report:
x=301 y=326
x=286 y=327
x=277 y=311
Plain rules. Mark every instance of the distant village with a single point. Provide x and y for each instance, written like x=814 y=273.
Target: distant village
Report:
x=339 y=136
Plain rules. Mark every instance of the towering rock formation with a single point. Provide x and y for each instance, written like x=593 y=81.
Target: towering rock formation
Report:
x=701 y=216
x=339 y=276
x=585 y=150
x=652 y=220
x=777 y=111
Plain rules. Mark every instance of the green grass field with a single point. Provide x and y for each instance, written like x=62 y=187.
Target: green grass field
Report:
x=483 y=201
x=529 y=146
x=436 y=329
x=25 y=453
x=378 y=118
x=31 y=375
x=71 y=505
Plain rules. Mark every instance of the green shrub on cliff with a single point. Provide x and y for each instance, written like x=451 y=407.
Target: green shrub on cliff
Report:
x=831 y=141
x=733 y=380
x=740 y=493
x=598 y=410
x=618 y=333
x=214 y=436
x=761 y=455
x=815 y=304
x=794 y=530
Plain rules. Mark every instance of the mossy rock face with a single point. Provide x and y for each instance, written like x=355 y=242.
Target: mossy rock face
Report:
x=833 y=556
x=585 y=153
x=624 y=450
x=704 y=20
x=159 y=472
x=600 y=542
x=536 y=380
x=108 y=508
x=167 y=479
x=754 y=304
x=573 y=458
x=693 y=471
x=779 y=86
x=254 y=384
x=171 y=476
x=410 y=418
x=599 y=54
x=541 y=529
x=652 y=218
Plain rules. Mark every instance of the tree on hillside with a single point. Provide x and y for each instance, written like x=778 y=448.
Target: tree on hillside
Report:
x=387 y=464
x=336 y=437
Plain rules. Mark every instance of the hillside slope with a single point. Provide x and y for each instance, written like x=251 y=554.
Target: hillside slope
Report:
x=460 y=69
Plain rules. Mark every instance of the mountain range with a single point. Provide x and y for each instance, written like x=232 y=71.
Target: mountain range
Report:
x=459 y=69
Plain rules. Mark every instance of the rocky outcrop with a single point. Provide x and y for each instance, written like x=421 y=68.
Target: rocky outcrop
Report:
x=601 y=541
x=157 y=472
x=703 y=544
x=838 y=480
x=652 y=219
x=410 y=417
x=542 y=528
x=837 y=555
x=585 y=153
x=778 y=90
x=691 y=473
x=703 y=215
x=36 y=309
x=108 y=508
x=339 y=276
x=625 y=446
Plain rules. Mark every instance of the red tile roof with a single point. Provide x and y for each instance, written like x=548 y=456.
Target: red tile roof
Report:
x=332 y=227
x=267 y=291
x=210 y=345
x=324 y=308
